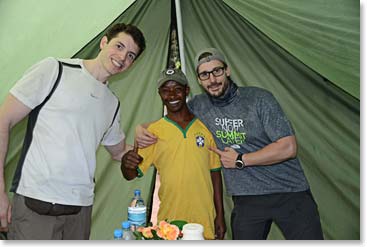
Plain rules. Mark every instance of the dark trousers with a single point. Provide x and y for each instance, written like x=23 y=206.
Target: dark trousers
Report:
x=295 y=213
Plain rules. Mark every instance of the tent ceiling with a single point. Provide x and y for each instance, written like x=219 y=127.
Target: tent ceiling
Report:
x=267 y=45
x=324 y=35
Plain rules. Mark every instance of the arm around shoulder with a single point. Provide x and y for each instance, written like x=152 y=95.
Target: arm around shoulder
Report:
x=143 y=137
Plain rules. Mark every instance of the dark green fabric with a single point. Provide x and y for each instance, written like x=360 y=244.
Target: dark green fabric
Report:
x=325 y=118
x=324 y=35
x=140 y=103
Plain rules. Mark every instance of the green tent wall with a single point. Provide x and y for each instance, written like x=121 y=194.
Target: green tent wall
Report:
x=306 y=54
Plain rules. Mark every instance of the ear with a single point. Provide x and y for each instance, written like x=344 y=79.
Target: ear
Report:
x=103 y=42
x=187 y=90
x=228 y=71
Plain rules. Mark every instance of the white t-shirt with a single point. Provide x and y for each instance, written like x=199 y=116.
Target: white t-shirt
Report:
x=60 y=163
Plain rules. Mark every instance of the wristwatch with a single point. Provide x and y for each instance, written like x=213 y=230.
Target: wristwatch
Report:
x=239 y=162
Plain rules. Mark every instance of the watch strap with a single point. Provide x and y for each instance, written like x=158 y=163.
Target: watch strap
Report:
x=239 y=157
x=239 y=162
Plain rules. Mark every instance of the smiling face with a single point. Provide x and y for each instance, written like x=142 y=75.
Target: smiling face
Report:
x=118 y=54
x=217 y=82
x=173 y=95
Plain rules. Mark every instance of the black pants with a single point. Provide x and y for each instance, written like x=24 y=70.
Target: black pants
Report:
x=295 y=214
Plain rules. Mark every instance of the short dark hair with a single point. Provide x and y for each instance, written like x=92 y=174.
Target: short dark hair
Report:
x=130 y=29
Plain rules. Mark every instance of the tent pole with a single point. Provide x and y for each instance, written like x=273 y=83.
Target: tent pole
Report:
x=180 y=35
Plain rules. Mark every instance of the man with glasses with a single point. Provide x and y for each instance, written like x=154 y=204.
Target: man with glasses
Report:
x=258 y=149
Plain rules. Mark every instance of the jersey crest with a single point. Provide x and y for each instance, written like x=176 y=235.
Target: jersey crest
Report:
x=200 y=141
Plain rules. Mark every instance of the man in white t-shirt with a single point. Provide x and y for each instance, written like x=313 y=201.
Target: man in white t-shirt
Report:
x=71 y=112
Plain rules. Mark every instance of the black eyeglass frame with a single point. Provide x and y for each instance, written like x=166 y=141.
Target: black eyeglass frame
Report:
x=216 y=72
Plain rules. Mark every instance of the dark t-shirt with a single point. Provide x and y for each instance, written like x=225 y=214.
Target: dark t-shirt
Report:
x=251 y=121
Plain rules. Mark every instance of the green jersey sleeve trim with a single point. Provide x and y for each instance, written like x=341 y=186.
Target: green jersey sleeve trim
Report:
x=140 y=173
x=216 y=169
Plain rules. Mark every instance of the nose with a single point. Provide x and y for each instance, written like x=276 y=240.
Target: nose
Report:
x=123 y=55
x=171 y=94
x=212 y=78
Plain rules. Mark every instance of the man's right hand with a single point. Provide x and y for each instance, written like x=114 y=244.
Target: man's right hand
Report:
x=5 y=212
x=130 y=162
x=131 y=159
x=143 y=137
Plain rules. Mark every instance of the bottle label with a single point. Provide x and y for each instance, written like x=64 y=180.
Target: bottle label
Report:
x=137 y=215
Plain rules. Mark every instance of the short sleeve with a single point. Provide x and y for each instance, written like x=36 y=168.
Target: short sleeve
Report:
x=148 y=158
x=36 y=83
x=275 y=122
x=114 y=134
x=215 y=164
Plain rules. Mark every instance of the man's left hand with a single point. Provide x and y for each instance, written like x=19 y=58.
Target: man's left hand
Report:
x=228 y=156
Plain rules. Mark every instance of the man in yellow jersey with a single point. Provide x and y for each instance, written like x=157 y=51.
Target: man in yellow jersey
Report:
x=191 y=182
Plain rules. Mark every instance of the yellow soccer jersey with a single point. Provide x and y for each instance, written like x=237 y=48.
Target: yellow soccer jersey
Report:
x=184 y=163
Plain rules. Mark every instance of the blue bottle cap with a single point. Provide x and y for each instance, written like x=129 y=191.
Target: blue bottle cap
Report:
x=117 y=233
x=137 y=192
x=125 y=224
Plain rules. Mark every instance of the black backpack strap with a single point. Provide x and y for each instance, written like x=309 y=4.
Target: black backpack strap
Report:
x=53 y=88
x=113 y=119
x=116 y=111
x=32 y=119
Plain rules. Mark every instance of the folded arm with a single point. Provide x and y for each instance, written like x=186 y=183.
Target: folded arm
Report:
x=283 y=149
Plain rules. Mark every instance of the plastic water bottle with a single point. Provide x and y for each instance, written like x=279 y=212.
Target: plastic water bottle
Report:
x=137 y=211
x=127 y=233
x=117 y=234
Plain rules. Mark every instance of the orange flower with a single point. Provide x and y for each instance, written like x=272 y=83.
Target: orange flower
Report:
x=163 y=231
x=167 y=231
x=146 y=231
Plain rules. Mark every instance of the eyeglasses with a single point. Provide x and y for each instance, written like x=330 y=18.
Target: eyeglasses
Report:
x=218 y=71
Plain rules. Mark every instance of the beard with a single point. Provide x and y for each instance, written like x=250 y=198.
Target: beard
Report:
x=220 y=92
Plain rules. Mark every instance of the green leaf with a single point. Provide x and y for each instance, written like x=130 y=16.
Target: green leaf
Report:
x=179 y=223
x=155 y=236
x=138 y=235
